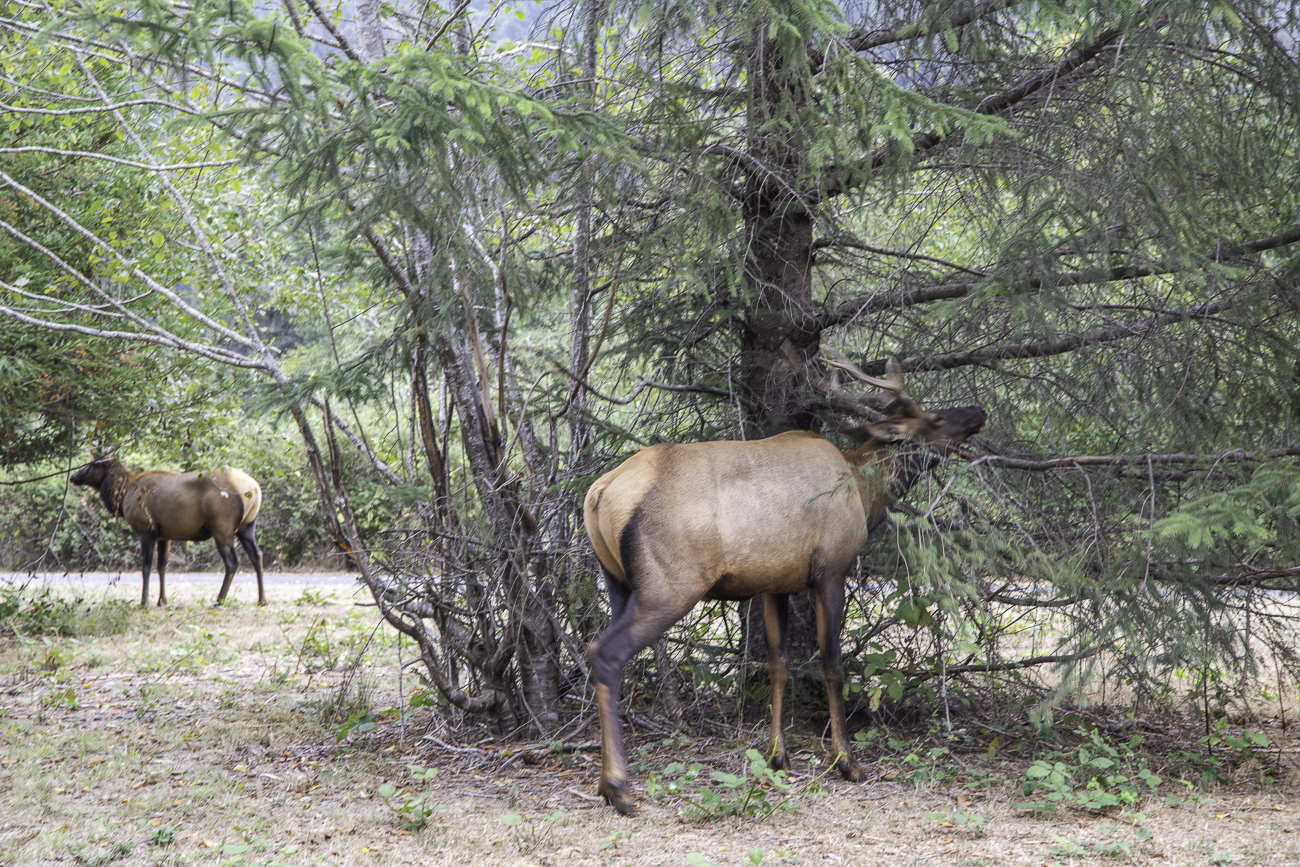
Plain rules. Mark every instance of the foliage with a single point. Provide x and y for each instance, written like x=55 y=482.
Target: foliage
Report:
x=1097 y=776
x=63 y=390
x=1210 y=768
x=164 y=835
x=362 y=722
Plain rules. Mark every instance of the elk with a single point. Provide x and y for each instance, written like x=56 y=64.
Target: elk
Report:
x=677 y=524
x=162 y=508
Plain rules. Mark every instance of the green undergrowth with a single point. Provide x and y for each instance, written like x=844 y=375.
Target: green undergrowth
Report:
x=1085 y=770
x=756 y=790
x=28 y=612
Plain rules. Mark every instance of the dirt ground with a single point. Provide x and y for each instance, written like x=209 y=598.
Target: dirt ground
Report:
x=197 y=736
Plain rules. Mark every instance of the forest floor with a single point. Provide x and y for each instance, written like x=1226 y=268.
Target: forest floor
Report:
x=200 y=736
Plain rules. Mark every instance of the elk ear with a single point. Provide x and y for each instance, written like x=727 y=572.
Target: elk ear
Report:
x=859 y=435
x=890 y=430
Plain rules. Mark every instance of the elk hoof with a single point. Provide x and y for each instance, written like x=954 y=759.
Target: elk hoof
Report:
x=851 y=772
x=779 y=762
x=617 y=796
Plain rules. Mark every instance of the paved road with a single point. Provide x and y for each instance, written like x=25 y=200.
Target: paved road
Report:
x=103 y=580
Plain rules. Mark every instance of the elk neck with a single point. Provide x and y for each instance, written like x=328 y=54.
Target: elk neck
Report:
x=874 y=469
x=112 y=490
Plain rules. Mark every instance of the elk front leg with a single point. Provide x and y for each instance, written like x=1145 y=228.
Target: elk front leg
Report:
x=146 y=566
x=164 y=550
x=776 y=616
x=828 y=599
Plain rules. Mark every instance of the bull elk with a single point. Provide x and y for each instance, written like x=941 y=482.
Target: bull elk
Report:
x=163 y=507
x=677 y=524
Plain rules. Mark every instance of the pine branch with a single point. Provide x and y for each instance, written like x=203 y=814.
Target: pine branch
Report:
x=1047 y=348
x=324 y=18
x=1081 y=461
x=991 y=105
x=999 y=102
x=854 y=244
x=1251 y=578
x=861 y=41
x=1221 y=252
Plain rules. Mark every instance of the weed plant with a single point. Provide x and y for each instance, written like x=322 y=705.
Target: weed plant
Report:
x=532 y=832
x=413 y=809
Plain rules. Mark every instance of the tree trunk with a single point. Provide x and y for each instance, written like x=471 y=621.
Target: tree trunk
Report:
x=776 y=345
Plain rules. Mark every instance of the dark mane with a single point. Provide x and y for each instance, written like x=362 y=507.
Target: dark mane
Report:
x=113 y=489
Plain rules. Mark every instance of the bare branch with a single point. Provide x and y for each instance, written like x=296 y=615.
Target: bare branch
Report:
x=150 y=167
x=114 y=254
x=640 y=387
x=169 y=340
x=252 y=339
x=451 y=19
x=94 y=109
x=854 y=244
x=324 y=18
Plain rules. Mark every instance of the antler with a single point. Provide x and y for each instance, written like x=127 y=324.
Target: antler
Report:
x=893 y=381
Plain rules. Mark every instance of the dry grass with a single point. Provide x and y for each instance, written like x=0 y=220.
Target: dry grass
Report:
x=196 y=736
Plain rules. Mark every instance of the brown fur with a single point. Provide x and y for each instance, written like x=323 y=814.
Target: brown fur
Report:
x=161 y=507
x=675 y=524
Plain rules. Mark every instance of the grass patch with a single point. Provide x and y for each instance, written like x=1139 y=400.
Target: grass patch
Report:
x=231 y=758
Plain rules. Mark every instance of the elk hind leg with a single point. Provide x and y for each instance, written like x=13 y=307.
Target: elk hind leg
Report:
x=776 y=616
x=248 y=539
x=636 y=628
x=164 y=550
x=231 y=559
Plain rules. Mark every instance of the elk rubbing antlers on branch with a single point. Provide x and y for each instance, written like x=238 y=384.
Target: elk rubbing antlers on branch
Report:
x=677 y=524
